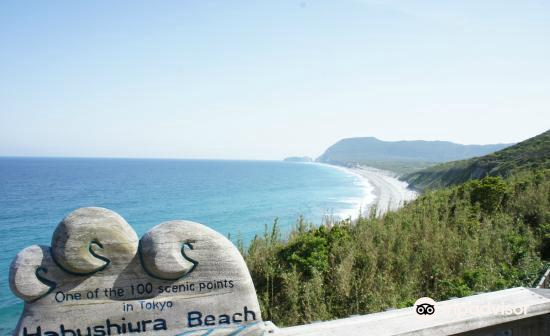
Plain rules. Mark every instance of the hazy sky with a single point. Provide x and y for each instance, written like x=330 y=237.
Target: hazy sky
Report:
x=267 y=79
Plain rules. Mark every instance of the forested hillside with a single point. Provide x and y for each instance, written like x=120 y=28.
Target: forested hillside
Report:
x=530 y=154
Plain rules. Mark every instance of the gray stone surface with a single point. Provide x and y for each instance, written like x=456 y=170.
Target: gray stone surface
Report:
x=181 y=278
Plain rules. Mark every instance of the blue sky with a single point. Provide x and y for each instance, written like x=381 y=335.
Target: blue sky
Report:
x=267 y=79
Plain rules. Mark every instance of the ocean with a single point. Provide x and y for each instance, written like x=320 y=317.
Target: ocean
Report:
x=236 y=198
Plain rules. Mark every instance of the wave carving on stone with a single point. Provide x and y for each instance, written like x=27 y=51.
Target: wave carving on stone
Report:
x=181 y=277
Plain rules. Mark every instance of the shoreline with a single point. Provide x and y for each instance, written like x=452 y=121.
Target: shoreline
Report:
x=365 y=202
x=383 y=190
x=390 y=192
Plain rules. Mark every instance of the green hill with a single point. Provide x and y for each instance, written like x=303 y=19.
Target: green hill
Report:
x=530 y=154
x=400 y=156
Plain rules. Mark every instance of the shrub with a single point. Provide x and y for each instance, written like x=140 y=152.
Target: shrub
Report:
x=489 y=192
x=481 y=236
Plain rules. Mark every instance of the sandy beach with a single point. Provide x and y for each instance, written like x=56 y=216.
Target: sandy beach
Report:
x=390 y=192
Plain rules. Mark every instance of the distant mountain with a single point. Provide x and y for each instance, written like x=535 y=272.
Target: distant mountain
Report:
x=400 y=156
x=298 y=159
x=533 y=153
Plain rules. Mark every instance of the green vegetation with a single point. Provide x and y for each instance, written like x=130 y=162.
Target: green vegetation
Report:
x=483 y=235
x=530 y=154
x=400 y=156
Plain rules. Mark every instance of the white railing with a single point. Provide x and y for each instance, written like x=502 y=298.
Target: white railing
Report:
x=452 y=317
x=545 y=280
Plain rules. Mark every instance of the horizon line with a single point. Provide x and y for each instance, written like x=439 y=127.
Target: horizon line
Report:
x=127 y=158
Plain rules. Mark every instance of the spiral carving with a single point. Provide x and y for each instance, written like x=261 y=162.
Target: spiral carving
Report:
x=89 y=239
x=166 y=250
x=29 y=273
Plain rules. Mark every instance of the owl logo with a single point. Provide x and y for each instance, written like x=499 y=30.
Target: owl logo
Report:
x=425 y=309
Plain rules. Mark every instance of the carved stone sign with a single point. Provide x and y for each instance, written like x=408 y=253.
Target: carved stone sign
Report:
x=97 y=279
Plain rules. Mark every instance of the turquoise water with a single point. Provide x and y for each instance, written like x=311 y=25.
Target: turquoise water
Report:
x=233 y=197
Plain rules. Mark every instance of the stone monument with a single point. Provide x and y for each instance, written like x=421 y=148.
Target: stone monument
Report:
x=97 y=279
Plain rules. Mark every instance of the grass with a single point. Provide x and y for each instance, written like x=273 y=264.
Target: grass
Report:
x=480 y=236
